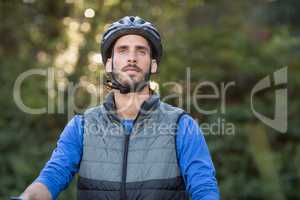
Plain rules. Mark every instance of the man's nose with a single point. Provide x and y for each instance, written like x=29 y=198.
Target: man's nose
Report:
x=132 y=57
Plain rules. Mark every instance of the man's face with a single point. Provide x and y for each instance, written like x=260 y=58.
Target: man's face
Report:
x=131 y=59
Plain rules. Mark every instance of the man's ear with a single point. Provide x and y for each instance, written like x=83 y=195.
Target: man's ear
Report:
x=153 y=66
x=108 y=66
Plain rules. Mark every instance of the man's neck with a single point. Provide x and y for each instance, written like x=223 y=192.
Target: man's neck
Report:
x=128 y=105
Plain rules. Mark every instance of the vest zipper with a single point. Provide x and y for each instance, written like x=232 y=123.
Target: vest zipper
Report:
x=125 y=157
x=124 y=168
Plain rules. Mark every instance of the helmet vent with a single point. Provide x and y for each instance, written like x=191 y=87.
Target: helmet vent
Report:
x=132 y=18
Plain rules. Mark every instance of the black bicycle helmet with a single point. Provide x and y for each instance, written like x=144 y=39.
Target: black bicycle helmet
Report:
x=131 y=25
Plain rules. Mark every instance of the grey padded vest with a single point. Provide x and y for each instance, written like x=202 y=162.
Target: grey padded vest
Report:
x=142 y=165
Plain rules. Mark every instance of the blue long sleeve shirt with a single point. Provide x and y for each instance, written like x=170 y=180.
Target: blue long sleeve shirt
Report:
x=194 y=159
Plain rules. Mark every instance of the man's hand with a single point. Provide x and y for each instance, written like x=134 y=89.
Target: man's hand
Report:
x=36 y=191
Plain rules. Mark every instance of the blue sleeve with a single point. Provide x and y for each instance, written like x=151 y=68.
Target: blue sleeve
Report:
x=65 y=160
x=195 y=162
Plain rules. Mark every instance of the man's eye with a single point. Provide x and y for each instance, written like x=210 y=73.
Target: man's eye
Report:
x=142 y=52
x=122 y=51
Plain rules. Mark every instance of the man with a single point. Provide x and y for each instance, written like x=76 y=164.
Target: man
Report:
x=133 y=146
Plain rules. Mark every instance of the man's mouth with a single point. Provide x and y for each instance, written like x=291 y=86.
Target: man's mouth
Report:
x=131 y=68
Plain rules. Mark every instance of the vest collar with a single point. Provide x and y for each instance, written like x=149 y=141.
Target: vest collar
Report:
x=147 y=106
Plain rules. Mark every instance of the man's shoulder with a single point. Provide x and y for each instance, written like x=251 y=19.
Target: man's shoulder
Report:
x=177 y=112
x=182 y=115
x=168 y=107
x=93 y=110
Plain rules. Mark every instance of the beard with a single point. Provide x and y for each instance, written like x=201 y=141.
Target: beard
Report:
x=134 y=81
